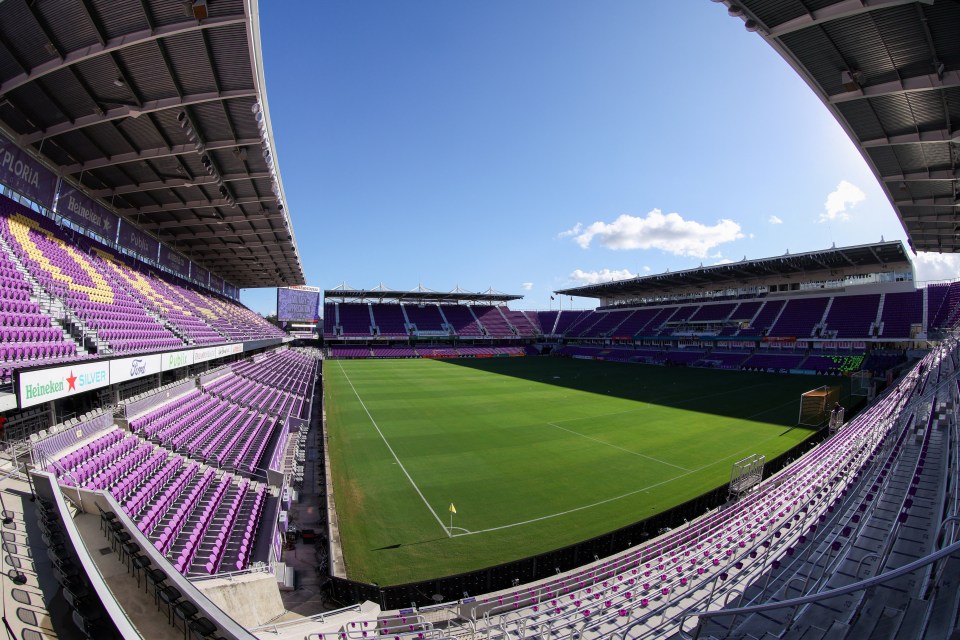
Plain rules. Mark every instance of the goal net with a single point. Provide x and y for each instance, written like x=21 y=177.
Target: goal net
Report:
x=860 y=383
x=815 y=405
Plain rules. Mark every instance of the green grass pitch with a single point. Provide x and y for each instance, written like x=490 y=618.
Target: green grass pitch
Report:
x=536 y=453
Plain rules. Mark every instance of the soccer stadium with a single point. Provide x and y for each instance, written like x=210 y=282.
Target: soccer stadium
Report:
x=762 y=448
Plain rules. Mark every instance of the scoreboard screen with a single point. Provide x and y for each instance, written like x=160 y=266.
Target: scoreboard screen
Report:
x=298 y=304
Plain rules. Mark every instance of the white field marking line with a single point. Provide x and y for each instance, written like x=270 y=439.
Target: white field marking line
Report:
x=635 y=453
x=403 y=468
x=615 y=498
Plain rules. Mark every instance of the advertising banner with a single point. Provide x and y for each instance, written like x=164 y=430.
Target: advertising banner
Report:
x=199 y=274
x=218 y=351
x=216 y=283
x=37 y=387
x=176 y=359
x=123 y=369
x=25 y=175
x=137 y=241
x=87 y=213
x=174 y=261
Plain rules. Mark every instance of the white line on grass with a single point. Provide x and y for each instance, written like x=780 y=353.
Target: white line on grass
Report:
x=615 y=498
x=635 y=453
x=384 y=438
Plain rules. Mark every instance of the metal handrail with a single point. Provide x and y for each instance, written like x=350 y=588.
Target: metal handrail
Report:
x=823 y=595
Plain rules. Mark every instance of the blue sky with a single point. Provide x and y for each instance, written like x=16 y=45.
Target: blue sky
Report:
x=530 y=146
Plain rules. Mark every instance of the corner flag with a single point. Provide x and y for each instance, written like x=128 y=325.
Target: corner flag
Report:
x=452 y=508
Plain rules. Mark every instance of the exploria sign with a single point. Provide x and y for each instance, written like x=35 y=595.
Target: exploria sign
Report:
x=36 y=387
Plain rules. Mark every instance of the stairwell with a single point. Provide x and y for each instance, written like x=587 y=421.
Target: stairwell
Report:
x=483 y=329
x=876 y=329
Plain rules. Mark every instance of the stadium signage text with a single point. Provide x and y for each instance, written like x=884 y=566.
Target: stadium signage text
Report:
x=36 y=387
x=25 y=175
x=44 y=385
x=123 y=369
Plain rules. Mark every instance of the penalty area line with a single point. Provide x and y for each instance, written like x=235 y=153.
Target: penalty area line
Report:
x=619 y=497
x=392 y=452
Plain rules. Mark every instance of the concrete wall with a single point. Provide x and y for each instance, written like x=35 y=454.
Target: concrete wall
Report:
x=251 y=599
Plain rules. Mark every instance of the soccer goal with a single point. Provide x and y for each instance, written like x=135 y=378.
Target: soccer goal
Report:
x=860 y=383
x=815 y=405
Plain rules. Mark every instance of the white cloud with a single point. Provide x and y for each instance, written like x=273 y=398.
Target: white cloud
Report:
x=669 y=232
x=646 y=269
x=526 y=286
x=604 y=275
x=577 y=228
x=937 y=266
x=775 y=220
x=841 y=200
x=723 y=261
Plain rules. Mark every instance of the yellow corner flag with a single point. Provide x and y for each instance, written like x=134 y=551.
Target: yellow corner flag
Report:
x=452 y=508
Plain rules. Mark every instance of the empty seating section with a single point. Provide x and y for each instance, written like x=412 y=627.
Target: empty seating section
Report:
x=745 y=311
x=211 y=429
x=27 y=336
x=462 y=320
x=152 y=293
x=350 y=352
x=900 y=312
x=394 y=352
x=764 y=318
x=389 y=319
x=852 y=316
x=205 y=519
x=289 y=369
x=799 y=317
x=713 y=312
x=606 y=324
x=546 y=321
x=493 y=322
x=125 y=306
x=943 y=305
x=329 y=319
x=426 y=318
x=566 y=320
x=521 y=322
x=69 y=273
x=354 y=319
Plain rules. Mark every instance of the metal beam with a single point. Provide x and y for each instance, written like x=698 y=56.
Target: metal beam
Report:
x=926 y=82
x=159 y=152
x=114 y=44
x=938 y=135
x=940 y=201
x=251 y=245
x=195 y=204
x=925 y=176
x=127 y=111
x=201 y=222
x=835 y=11
x=176 y=182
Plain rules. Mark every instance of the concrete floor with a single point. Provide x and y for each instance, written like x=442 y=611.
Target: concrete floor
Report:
x=138 y=605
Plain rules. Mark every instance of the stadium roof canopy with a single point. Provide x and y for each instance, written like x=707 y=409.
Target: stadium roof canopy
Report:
x=812 y=266
x=421 y=294
x=155 y=108
x=889 y=71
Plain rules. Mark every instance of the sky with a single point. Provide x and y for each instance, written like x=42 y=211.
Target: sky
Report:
x=537 y=145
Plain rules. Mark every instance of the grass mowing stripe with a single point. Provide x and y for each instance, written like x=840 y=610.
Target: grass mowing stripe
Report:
x=402 y=468
x=634 y=453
